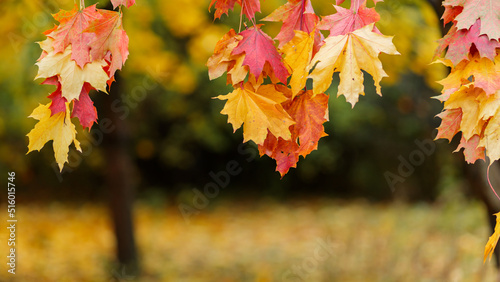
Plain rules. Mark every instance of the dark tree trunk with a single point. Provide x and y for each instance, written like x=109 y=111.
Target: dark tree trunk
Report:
x=120 y=180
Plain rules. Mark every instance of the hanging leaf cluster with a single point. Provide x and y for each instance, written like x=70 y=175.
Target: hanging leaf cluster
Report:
x=471 y=90
x=270 y=97
x=80 y=54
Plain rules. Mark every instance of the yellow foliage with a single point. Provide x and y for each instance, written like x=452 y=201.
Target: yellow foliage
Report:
x=184 y=17
x=201 y=45
x=416 y=29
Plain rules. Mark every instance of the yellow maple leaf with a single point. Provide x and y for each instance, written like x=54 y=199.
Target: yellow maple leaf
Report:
x=493 y=240
x=57 y=128
x=72 y=76
x=349 y=54
x=485 y=73
x=298 y=53
x=466 y=99
x=238 y=72
x=260 y=110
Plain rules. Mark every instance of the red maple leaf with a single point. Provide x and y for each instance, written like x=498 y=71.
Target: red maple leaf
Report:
x=450 y=13
x=295 y=15
x=259 y=50
x=84 y=109
x=450 y=123
x=472 y=152
x=250 y=7
x=309 y=114
x=58 y=103
x=107 y=34
x=71 y=31
x=283 y=151
x=459 y=43
x=348 y=20
x=127 y=3
x=338 y=2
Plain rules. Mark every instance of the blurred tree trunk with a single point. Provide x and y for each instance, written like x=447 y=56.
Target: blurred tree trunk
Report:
x=120 y=180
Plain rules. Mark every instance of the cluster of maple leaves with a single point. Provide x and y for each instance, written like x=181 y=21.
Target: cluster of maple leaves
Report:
x=471 y=91
x=80 y=54
x=270 y=96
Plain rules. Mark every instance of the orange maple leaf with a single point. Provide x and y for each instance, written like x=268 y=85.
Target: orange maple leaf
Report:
x=259 y=110
x=309 y=114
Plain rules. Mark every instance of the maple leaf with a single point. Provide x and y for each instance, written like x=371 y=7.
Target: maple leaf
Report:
x=486 y=10
x=58 y=103
x=349 y=20
x=488 y=105
x=338 y=2
x=46 y=46
x=259 y=50
x=465 y=98
x=309 y=114
x=450 y=123
x=284 y=152
x=57 y=128
x=459 y=43
x=259 y=109
x=71 y=75
x=126 y=3
x=298 y=54
x=107 y=34
x=295 y=15
x=84 y=109
x=493 y=240
x=250 y=7
x=70 y=31
x=450 y=12
x=222 y=60
x=485 y=74
x=472 y=151
x=491 y=138
x=348 y=54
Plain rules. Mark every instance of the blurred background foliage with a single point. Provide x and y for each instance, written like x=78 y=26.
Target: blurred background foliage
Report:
x=179 y=135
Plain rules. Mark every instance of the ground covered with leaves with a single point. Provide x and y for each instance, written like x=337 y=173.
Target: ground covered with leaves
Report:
x=313 y=240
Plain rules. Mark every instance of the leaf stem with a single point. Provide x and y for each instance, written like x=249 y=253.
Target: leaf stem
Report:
x=488 y=177
x=241 y=17
x=82 y=4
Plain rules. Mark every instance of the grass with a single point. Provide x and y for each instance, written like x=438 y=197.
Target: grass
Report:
x=314 y=240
